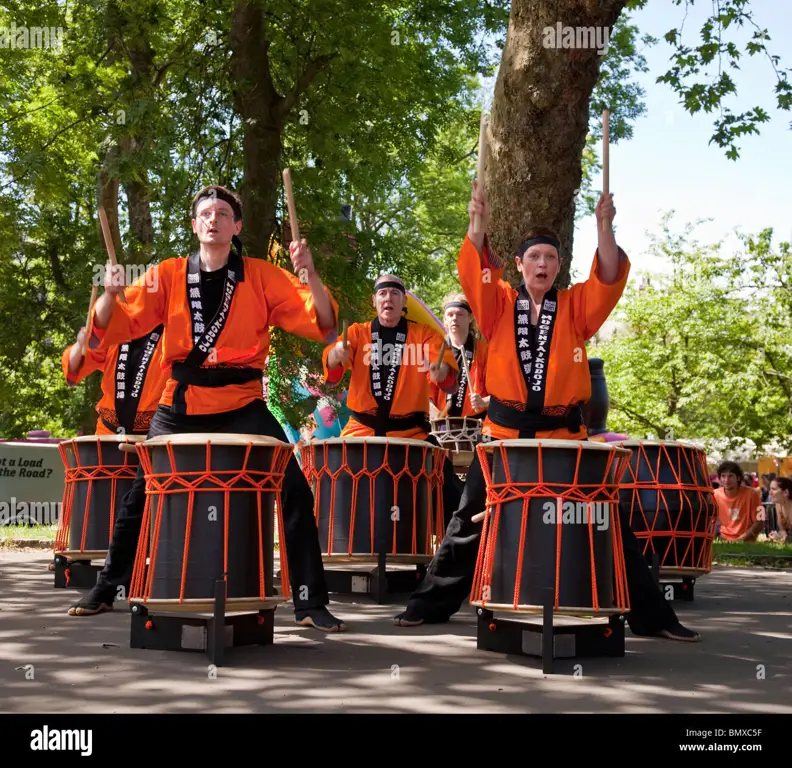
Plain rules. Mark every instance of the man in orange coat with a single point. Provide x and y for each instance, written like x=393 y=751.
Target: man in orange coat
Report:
x=133 y=378
x=538 y=379
x=217 y=307
x=393 y=362
x=471 y=399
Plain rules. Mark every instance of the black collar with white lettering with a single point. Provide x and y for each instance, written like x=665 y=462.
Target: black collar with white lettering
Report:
x=533 y=344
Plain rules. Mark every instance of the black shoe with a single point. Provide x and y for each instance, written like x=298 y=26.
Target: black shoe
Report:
x=319 y=618
x=680 y=633
x=412 y=617
x=98 y=600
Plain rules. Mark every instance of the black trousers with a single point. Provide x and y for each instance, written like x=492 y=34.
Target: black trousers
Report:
x=300 y=532
x=449 y=577
x=452 y=486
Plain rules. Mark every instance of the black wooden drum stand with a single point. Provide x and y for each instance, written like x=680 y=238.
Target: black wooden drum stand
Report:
x=672 y=590
x=211 y=634
x=373 y=580
x=76 y=574
x=543 y=638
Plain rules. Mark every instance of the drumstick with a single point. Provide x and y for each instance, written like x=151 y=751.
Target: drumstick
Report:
x=478 y=517
x=127 y=447
x=346 y=328
x=605 y=155
x=108 y=238
x=443 y=348
x=480 y=170
x=94 y=291
x=467 y=372
x=295 y=227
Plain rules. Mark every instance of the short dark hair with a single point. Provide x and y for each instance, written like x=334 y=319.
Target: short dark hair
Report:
x=730 y=466
x=221 y=193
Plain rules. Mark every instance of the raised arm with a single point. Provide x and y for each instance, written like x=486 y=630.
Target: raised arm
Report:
x=304 y=309
x=480 y=270
x=115 y=322
x=595 y=299
x=77 y=366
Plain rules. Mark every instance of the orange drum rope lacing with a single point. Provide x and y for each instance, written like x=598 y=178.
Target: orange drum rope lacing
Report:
x=177 y=481
x=701 y=530
x=511 y=490
x=89 y=473
x=434 y=477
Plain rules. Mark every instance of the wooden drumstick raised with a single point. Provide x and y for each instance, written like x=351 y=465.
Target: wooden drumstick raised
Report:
x=108 y=238
x=605 y=156
x=295 y=227
x=481 y=164
x=94 y=291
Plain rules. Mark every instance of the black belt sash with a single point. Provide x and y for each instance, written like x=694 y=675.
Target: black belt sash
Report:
x=382 y=423
x=194 y=376
x=121 y=430
x=529 y=423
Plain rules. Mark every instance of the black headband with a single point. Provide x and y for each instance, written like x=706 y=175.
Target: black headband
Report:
x=388 y=284
x=540 y=240
x=459 y=305
x=218 y=194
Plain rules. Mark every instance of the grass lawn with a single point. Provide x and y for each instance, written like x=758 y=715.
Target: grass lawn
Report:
x=37 y=532
x=767 y=553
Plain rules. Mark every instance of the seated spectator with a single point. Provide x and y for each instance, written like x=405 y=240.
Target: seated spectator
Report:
x=738 y=505
x=781 y=496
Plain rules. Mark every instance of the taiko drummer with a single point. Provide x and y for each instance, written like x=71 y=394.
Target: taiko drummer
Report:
x=393 y=362
x=471 y=399
x=133 y=378
x=537 y=379
x=217 y=307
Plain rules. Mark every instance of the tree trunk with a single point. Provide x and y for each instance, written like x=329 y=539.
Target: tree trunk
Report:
x=540 y=119
x=256 y=101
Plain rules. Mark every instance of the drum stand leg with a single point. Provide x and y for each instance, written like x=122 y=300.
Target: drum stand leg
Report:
x=673 y=590
x=210 y=635
x=377 y=582
x=75 y=574
x=548 y=640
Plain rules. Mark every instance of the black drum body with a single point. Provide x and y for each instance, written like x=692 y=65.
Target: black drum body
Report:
x=210 y=515
x=551 y=524
x=98 y=474
x=377 y=495
x=669 y=501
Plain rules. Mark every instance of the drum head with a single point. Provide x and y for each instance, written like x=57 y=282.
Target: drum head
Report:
x=108 y=439
x=668 y=443
x=373 y=440
x=573 y=445
x=215 y=438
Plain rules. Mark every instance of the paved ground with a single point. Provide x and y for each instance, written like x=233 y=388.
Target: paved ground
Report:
x=743 y=664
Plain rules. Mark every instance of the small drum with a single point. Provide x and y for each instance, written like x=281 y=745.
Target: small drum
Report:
x=98 y=475
x=459 y=435
x=551 y=526
x=670 y=503
x=377 y=495
x=210 y=515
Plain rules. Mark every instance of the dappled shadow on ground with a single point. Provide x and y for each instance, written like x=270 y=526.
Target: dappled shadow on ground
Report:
x=743 y=665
